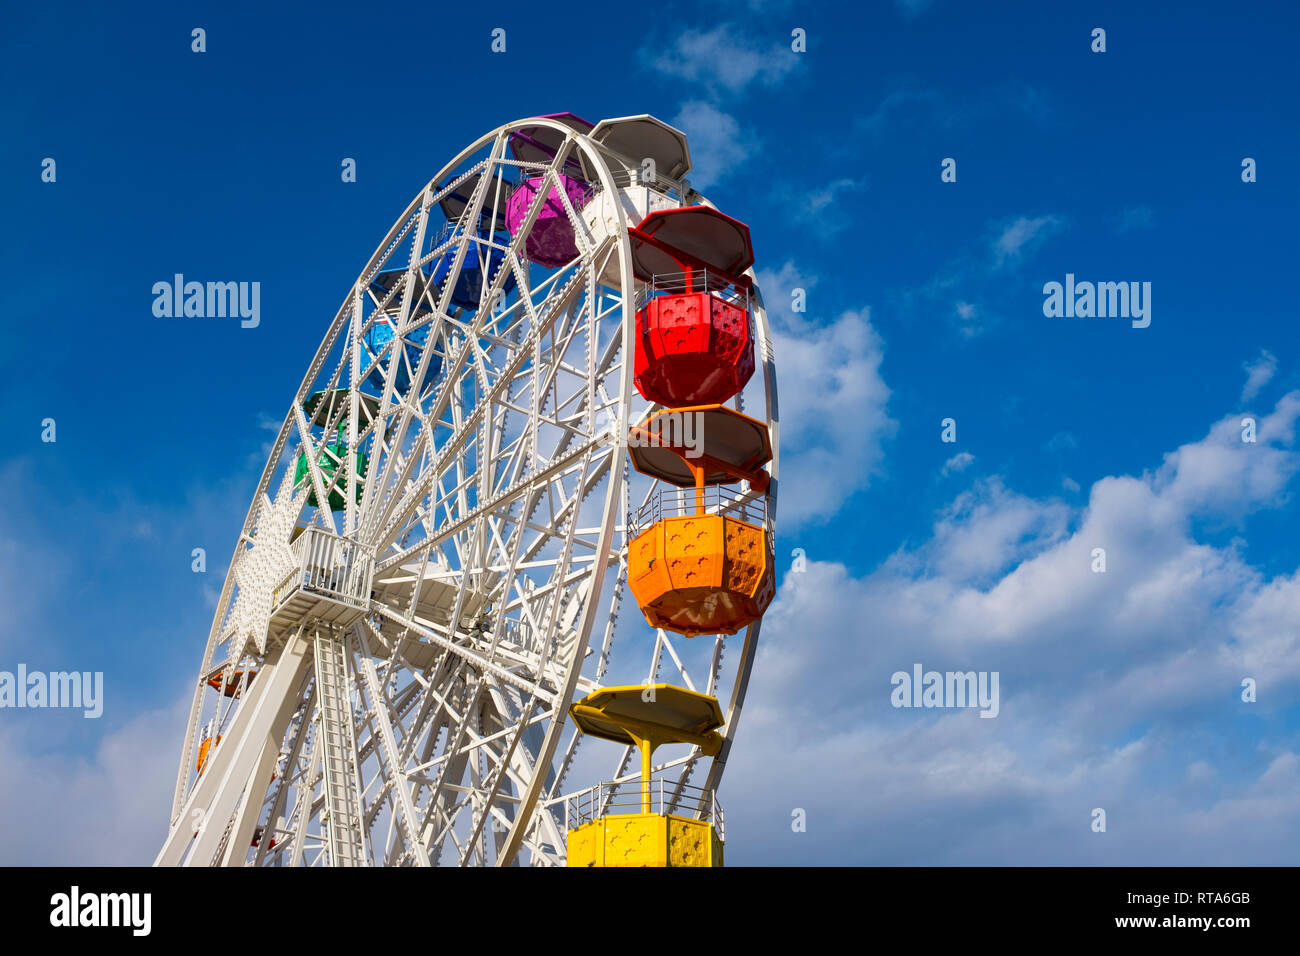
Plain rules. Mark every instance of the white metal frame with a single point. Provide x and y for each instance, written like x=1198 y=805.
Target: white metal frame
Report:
x=416 y=653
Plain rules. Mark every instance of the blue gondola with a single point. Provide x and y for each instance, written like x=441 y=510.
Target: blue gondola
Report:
x=468 y=289
x=465 y=294
x=375 y=368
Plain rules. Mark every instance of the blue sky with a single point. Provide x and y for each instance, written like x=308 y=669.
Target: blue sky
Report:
x=924 y=301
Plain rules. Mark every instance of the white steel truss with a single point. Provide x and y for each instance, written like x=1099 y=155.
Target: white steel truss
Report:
x=399 y=639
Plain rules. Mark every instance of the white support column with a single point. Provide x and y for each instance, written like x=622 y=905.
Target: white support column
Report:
x=273 y=698
x=250 y=808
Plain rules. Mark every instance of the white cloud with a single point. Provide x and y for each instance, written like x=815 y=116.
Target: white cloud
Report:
x=39 y=570
x=1258 y=374
x=960 y=289
x=958 y=462
x=724 y=58
x=826 y=207
x=778 y=288
x=1022 y=236
x=1062 y=442
x=833 y=405
x=984 y=530
x=968 y=319
x=98 y=792
x=818 y=200
x=108 y=809
x=717 y=147
x=1224 y=474
x=1114 y=686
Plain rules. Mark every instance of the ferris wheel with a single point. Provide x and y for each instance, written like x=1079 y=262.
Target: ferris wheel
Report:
x=515 y=503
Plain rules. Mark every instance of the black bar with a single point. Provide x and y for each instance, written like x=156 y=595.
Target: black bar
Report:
x=860 y=907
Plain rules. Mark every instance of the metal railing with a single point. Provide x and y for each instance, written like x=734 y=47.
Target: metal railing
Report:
x=627 y=178
x=452 y=229
x=669 y=502
x=694 y=280
x=330 y=566
x=665 y=797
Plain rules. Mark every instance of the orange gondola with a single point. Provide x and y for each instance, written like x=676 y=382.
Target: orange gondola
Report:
x=232 y=687
x=205 y=750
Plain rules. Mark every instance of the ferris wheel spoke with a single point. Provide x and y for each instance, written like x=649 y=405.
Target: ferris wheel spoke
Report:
x=517 y=490
x=463 y=727
x=468 y=654
x=490 y=793
x=672 y=652
x=311 y=452
x=398 y=509
x=458 y=439
x=388 y=746
x=460 y=356
x=546 y=533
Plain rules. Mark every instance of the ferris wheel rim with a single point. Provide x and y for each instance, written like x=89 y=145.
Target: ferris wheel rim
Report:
x=615 y=483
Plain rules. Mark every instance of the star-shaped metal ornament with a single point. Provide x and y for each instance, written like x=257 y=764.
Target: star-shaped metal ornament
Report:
x=265 y=564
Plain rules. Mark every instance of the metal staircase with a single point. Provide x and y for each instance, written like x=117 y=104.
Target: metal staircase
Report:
x=339 y=754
